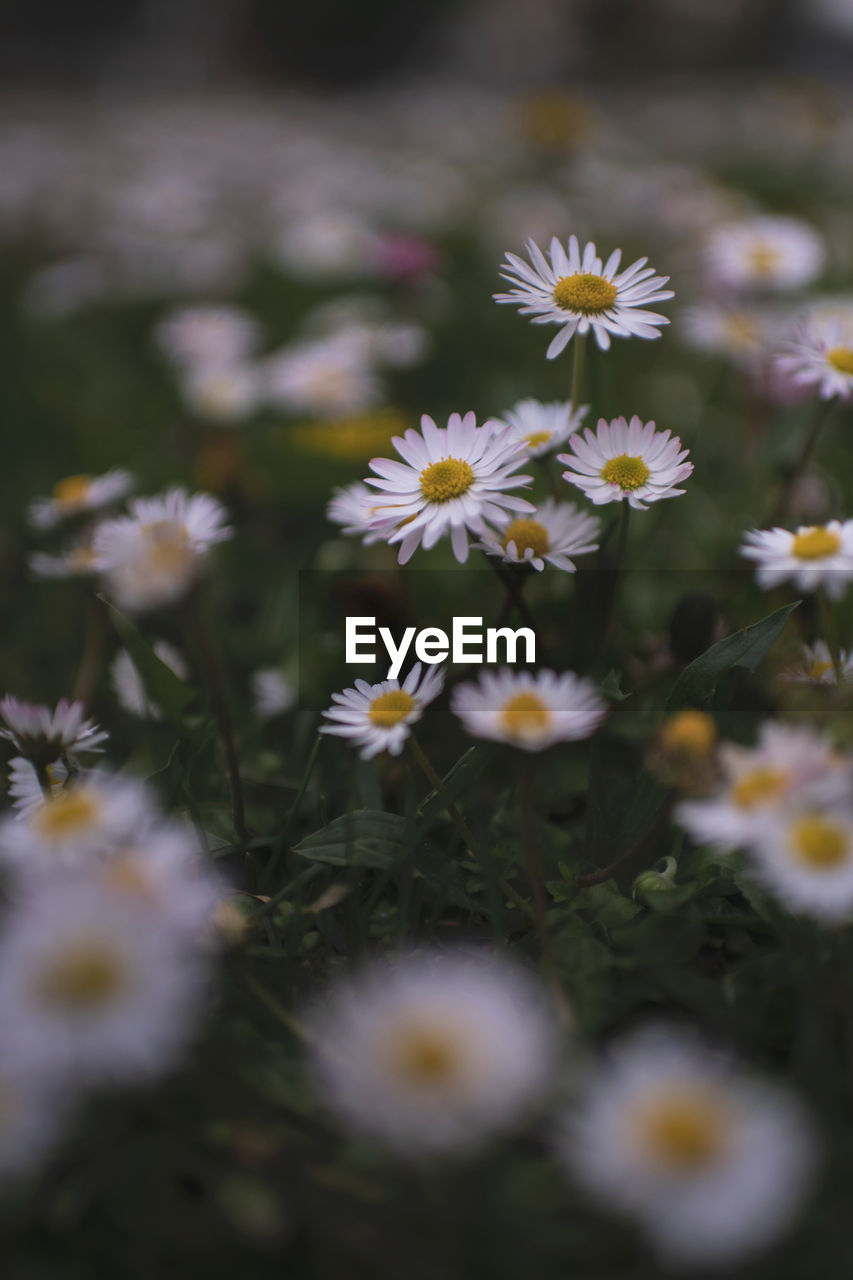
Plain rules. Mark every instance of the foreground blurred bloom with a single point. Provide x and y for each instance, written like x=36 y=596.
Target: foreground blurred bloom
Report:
x=211 y=336
x=153 y=556
x=580 y=293
x=821 y=355
x=25 y=790
x=786 y=766
x=128 y=684
x=44 y=735
x=811 y=556
x=712 y=1163
x=222 y=395
x=621 y=461
x=351 y=506
x=550 y=534
x=451 y=480
x=378 y=717
x=684 y=751
x=77 y=561
x=433 y=1053
x=76 y=823
x=78 y=494
x=543 y=427
x=527 y=710
x=772 y=253
x=805 y=858
x=815 y=665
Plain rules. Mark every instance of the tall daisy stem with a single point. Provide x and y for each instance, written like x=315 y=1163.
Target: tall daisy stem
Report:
x=579 y=344
x=216 y=687
x=822 y=410
x=829 y=626
x=537 y=886
x=515 y=590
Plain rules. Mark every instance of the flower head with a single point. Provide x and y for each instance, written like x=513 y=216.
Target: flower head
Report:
x=529 y=710
x=44 y=735
x=811 y=556
x=207 y=336
x=626 y=462
x=770 y=253
x=274 y=694
x=804 y=857
x=352 y=506
x=76 y=495
x=820 y=355
x=549 y=535
x=378 y=717
x=543 y=427
x=815 y=665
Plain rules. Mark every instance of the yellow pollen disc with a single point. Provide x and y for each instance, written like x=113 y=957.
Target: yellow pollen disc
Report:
x=683 y=1130
x=841 y=358
x=450 y=478
x=759 y=786
x=819 y=843
x=690 y=732
x=527 y=535
x=68 y=813
x=818 y=669
x=82 y=978
x=424 y=1057
x=764 y=259
x=389 y=709
x=538 y=437
x=588 y=294
x=524 y=712
x=71 y=490
x=168 y=546
x=626 y=472
x=815 y=544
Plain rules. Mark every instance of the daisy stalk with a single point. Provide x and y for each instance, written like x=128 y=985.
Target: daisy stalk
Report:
x=535 y=875
x=822 y=410
x=215 y=681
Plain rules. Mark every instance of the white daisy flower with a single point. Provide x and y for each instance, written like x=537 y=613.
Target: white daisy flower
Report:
x=580 y=293
x=434 y=1053
x=26 y=791
x=788 y=766
x=154 y=555
x=222 y=394
x=128 y=684
x=550 y=535
x=207 y=336
x=529 y=710
x=44 y=735
x=273 y=693
x=623 y=461
x=543 y=427
x=330 y=377
x=352 y=506
x=76 y=495
x=816 y=667
x=811 y=556
x=805 y=859
x=378 y=717
x=741 y=334
x=77 y=823
x=778 y=254
x=78 y=561
x=820 y=355
x=451 y=480
x=712 y=1163
x=92 y=988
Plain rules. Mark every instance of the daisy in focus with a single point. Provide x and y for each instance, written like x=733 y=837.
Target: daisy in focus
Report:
x=352 y=506
x=820 y=356
x=549 y=535
x=43 y=735
x=78 y=495
x=544 y=427
x=811 y=556
x=631 y=462
x=580 y=293
x=711 y=1163
x=529 y=710
x=775 y=254
x=434 y=1053
x=154 y=555
x=451 y=480
x=805 y=859
x=378 y=717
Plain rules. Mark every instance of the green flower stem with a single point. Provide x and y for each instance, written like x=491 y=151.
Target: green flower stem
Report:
x=277 y=1010
x=281 y=842
x=829 y=625
x=579 y=344
x=537 y=885
x=823 y=409
x=219 y=703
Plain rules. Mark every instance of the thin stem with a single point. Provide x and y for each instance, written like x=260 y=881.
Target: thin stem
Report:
x=281 y=843
x=578 y=368
x=93 y=645
x=216 y=687
x=537 y=886
x=830 y=631
x=514 y=588
x=823 y=408
x=295 y=1027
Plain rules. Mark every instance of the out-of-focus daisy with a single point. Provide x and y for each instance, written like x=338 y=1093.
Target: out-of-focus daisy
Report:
x=328 y=246
x=222 y=394
x=580 y=293
x=25 y=789
x=741 y=334
x=805 y=858
x=329 y=377
x=208 y=336
x=154 y=555
x=351 y=506
x=820 y=355
x=43 y=734
x=76 y=495
x=684 y=751
x=549 y=535
x=128 y=684
x=434 y=1054
x=811 y=556
x=766 y=252
x=378 y=717
x=631 y=462
x=815 y=665
x=94 y=988
x=543 y=427
x=273 y=693
x=527 y=710
x=711 y=1162
x=78 y=561
x=451 y=480
x=75 y=823
x=788 y=765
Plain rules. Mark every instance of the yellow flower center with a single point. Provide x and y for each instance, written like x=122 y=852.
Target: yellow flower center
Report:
x=586 y=293
x=626 y=472
x=819 y=843
x=764 y=259
x=528 y=535
x=67 y=813
x=168 y=546
x=689 y=732
x=818 y=669
x=72 y=490
x=758 y=786
x=79 y=979
x=683 y=1130
x=389 y=709
x=442 y=481
x=815 y=544
x=538 y=437
x=841 y=358
x=81 y=558
x=424 y=1057
x=524 y=712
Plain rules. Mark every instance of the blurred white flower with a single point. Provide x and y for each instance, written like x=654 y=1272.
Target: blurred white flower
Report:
x=622 y=461
x=811 y=556
x=76 y=495
x=273 y=693
x=815 y=665
x=329 y=246
x=25 y=790
x=542 y=427
x=549 y=535
x=222 y=394
x=529 y=710
x=378 y=717
x=820 y=355
x=765 y=252
x=805 y=858
x=128 y=684
x=329 y=377
x=76 y=562
x=208 y=336
x=45 y=734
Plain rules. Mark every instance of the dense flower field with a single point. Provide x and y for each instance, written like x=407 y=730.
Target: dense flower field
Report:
x=431 y=966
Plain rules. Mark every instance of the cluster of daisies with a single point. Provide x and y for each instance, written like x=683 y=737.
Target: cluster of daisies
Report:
x=108 y=940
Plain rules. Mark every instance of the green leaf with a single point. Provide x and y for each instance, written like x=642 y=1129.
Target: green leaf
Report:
x=363 y=838
x=456 y=782
x=611 y=686
x=743 y=649
x=163 y=687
